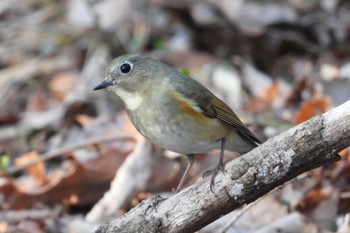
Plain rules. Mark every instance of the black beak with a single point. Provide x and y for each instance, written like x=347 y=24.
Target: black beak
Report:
x=102 y=85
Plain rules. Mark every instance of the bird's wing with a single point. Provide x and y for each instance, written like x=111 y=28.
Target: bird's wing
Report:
x=215 y=108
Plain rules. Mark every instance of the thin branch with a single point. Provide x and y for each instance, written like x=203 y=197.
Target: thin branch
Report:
x=59 y=151
x=238 y=215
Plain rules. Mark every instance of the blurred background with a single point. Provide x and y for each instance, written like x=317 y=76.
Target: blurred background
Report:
x=71 y=160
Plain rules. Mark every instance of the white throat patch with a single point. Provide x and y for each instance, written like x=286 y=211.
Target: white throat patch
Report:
x=131 y=100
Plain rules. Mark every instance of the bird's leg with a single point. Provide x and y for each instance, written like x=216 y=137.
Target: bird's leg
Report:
x=158 y=199
x=190 y=161
x=219 y=167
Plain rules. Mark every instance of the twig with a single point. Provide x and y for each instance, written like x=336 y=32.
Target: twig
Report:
x=127 y=182
x=249 y=206
x=59 y=151
x=239 y=214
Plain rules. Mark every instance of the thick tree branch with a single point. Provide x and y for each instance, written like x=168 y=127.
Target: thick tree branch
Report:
x=301 y=148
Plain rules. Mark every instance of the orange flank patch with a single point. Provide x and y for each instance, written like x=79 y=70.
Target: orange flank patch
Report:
x=188 y=107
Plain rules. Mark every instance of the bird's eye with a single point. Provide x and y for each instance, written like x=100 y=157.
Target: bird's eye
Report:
x=125 y=68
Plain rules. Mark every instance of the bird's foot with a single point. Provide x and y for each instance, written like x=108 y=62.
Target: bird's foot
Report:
x=213 y=173
x=156 y=200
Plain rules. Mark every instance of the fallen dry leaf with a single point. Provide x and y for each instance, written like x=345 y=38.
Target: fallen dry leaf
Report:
x=37 y=102
x=62 y=83
x=264 y=100
x=72 y=183
x=83 y=119
x=36 y=171
x=311 y=199
x=312 y=107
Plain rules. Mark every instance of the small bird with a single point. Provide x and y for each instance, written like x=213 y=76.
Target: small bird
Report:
x=174 y=111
